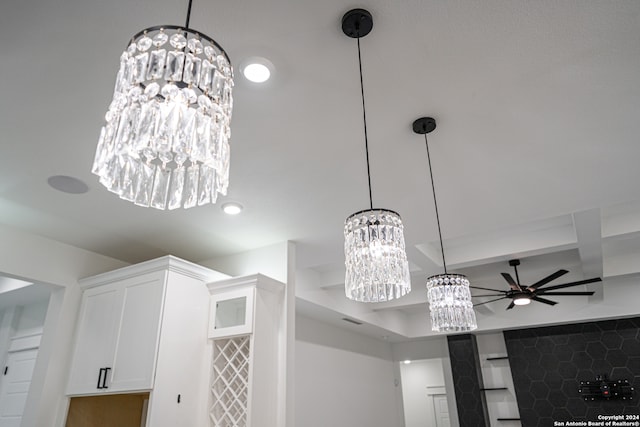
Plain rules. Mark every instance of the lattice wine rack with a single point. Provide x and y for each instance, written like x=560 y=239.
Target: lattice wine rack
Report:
x=230 y=382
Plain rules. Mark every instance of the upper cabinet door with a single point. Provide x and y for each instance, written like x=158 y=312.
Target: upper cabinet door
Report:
x=95 y=340
x=231 y=313
x=117 y=336
x=136 y=349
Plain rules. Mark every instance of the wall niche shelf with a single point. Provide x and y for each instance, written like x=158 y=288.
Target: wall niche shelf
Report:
x=498 y=391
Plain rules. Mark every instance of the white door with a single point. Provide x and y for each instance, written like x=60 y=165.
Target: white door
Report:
x=441 y=410
x=14 y=386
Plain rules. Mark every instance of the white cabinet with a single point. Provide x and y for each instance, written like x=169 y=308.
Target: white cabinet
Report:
x=96 y=339
x=137 y=337
x=117 y=336
x=144 y=328
x=231 y=313
x=247 y=328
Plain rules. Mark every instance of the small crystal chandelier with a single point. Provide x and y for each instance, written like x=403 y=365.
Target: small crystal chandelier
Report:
x=165 y=143
x=375 y=259
x=449 y=295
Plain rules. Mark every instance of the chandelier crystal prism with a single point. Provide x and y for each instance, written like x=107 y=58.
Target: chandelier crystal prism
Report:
x=376 y=263
x=450 y=305
x=165 y=143
x=375 y=259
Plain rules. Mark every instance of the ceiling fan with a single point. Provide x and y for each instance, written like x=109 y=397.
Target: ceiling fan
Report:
x=523 y=295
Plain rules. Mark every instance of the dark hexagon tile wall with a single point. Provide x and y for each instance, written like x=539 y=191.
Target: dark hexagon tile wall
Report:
x=467 y=381
x=547 y=365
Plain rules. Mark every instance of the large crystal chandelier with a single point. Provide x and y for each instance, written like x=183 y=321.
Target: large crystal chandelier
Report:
x=165 y=143
x=375 y=259
x=448 y=294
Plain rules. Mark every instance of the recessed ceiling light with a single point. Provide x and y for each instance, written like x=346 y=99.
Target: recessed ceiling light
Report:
x=406 y=362
x=232 y=208
x=67 y=184
x=257 y=73
x=257 y=70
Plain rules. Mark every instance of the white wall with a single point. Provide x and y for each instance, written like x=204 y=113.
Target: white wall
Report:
x=270 y=261
x=427 y=350
x=31 y=318
x=21 y=325
x=41 y=260
x=20 y=321
x=343 y=379
x=421 y=379
x=7 y=329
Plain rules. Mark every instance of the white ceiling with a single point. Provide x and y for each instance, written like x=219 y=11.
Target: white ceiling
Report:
x=534 y=156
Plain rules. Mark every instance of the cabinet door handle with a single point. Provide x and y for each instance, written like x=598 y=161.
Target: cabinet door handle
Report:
x=104 y=380
x=100 y=378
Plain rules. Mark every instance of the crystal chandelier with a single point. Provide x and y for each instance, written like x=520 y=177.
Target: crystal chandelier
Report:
x=375 y=259
x=448 y=294
x=165 y=143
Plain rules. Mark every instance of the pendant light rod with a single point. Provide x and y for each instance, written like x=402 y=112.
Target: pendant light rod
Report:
x=435 y=203
x=515 y=263
x=358 y=23
x=364 y=119
x=424 y=126
x=186 y=25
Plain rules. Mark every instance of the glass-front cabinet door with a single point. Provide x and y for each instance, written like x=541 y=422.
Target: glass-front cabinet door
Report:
x=232 y=313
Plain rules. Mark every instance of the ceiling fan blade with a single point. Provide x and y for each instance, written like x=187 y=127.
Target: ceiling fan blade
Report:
x=547 y=279
x=544 y=301
x=565 y=293
x=568 y=285
x=510 y=306
x=488 y=295
x=487 y=302
x=487 y=289
x=512 y=283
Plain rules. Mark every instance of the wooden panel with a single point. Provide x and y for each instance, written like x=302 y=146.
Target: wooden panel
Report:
x=122 y=410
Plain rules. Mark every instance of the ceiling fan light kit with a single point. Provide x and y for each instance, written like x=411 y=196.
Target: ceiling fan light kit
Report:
x=523 y=295
x=165 y=143
x=522 y=300
x=375 y=258
x=449 y=296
